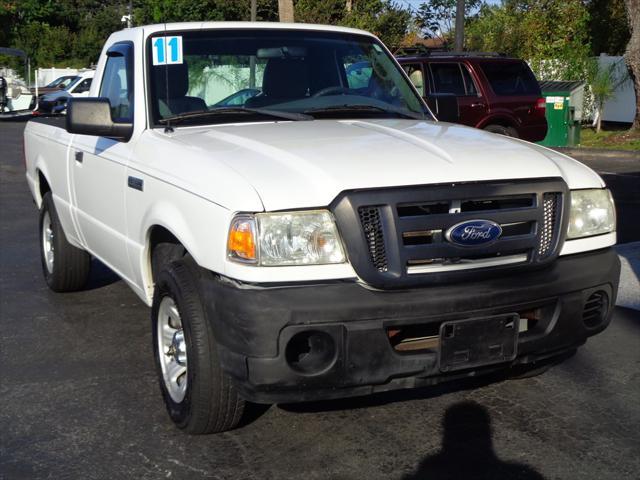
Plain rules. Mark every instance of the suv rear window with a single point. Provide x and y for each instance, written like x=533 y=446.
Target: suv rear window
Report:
x=510 y=78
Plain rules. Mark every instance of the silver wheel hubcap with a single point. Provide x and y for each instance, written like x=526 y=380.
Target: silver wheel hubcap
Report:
x=172 y=349
x=47 y=241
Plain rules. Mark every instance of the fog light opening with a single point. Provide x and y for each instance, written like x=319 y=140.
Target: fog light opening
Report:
x=310 y=353
x=595 y=309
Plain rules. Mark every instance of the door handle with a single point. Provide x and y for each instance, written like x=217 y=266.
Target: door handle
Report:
x=475 y=105
x=79 y=157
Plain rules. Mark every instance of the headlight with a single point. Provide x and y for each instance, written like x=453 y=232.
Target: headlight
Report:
x=286 y=238
x=592 y=213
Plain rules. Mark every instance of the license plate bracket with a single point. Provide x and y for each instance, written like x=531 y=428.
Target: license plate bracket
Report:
x=477 y=342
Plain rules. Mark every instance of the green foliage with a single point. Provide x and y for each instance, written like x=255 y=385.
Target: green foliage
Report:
x=608 y=27
x=160 y=11
x=552 y=35
x=325 y=12
x=604 y=81
x=437 y=18
x=384 y=18
x=533 y=29
x=387 y=19
x=72 y=32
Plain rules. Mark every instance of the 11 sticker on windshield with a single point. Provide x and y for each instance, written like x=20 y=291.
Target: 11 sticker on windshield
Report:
x=167 y=50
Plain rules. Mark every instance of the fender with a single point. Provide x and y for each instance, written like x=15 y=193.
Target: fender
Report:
x=167 y=215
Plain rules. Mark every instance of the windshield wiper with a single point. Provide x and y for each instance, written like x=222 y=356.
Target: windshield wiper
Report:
x=362 y=108
x=235 y=111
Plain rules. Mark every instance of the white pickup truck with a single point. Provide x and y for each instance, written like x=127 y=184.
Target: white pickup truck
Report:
x=313 y=238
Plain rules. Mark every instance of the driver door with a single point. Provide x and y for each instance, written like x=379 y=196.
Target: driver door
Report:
x=98 y=169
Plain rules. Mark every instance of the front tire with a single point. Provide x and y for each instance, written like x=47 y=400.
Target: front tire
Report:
x=200 y=398
x=502 y=130
x=65 y=267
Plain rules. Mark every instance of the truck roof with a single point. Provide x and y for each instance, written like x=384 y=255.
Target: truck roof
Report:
x=150 y=29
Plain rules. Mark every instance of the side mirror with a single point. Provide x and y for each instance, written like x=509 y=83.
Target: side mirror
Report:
x=445 y=107
x=92 y=116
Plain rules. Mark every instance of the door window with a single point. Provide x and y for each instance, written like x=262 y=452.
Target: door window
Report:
x=84 y=86
x=117 y=83
x=416 y=76
x=469 y=85
x=511 y=78
x=447 y=78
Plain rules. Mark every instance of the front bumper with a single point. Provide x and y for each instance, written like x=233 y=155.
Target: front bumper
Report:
x=254 y=325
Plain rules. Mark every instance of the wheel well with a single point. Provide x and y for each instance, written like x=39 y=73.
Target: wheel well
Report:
x=503 y=122
x=161 y=236
x=43 y=184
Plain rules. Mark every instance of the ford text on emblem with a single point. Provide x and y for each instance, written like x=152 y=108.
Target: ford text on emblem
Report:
x=474 y=232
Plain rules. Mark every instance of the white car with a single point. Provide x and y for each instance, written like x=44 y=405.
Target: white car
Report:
x=322 y=240
x=56 y=102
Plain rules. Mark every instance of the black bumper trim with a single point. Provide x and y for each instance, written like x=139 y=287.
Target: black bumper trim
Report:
x=253 y=325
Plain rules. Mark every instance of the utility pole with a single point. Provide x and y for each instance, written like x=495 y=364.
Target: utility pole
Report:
x=459 y=25
x=252 y=59
x=285 y=10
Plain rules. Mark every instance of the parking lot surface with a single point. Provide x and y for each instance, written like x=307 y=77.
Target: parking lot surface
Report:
x=80 y=400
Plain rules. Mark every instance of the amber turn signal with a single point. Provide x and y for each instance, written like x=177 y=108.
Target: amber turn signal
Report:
x=241 y=244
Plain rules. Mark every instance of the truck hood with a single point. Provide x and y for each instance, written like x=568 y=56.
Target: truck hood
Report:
x=307 y=164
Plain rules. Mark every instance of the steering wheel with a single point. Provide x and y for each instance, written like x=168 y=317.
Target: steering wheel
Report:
x=331 y=90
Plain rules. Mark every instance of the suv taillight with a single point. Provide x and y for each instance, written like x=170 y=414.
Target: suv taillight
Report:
x=540 y=107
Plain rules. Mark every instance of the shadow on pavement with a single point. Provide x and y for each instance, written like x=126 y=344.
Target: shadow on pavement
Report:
x=627 y=316
x=467 y=450
x=100 y=276
x=384 y=398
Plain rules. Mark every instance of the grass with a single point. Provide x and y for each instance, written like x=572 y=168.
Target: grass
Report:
x=610 y=139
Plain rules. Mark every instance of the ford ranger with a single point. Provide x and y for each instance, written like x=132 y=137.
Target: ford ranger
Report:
x=321 y=236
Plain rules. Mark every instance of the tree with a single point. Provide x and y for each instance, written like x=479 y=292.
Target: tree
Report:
x=632 y=54
x=384 y=18
x=608 y=27
x=285 y=10
x=552 y=36
x=436 y=19
x=605 y=80
x=327 y=12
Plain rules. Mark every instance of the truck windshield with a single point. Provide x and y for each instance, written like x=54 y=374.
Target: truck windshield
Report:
x=314 y=73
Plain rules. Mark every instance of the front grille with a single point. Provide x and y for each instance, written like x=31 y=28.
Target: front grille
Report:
x=547 y=231
x=372 y=228
x=402 y=230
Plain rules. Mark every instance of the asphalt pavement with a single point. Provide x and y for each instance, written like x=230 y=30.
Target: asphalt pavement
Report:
x=79 y=398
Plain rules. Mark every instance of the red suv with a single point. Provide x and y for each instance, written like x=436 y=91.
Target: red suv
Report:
x=495 y=93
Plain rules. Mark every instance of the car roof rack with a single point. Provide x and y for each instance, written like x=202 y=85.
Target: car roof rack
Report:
x=469 y=54
x=423 y=51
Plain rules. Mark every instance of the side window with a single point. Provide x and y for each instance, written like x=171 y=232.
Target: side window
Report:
x=416 y=76
x=447 y=78
x=117 y=83
x=84 y=86
x=469 y=84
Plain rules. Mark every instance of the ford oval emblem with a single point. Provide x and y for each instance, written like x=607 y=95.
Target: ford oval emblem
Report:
x=474 y=232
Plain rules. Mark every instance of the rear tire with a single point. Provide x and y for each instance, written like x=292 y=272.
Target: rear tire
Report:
x=65 y=267
x=502 y=130
x=202 y=399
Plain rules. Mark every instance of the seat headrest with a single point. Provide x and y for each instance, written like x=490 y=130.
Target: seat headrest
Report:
x=286 y=78
x=177 y=76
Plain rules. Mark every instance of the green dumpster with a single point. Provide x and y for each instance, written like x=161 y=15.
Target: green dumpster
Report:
x=564 y=101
